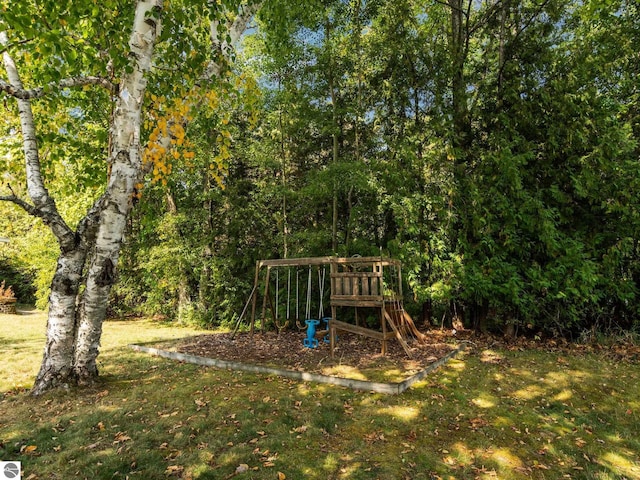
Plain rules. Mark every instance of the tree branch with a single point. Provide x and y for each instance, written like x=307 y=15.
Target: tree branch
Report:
x=486 y=18
x=39 y=92
x=44 y=206
x=521 y=30
x=220 y=46
x=27 y=207
x=21 y=42
x=88 y=227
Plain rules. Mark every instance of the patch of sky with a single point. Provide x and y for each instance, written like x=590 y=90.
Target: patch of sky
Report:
x=308 y=36
x=76 y=112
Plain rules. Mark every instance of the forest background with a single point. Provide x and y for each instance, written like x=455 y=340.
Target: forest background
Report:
x=491 y=146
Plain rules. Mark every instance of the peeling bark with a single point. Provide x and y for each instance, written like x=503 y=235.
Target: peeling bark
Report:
x=56 y=369
x=75 y=317
x=126 y=171
x=87 y=265
x=223 y=40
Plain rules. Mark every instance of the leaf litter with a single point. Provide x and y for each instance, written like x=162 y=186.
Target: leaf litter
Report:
x=286 y=350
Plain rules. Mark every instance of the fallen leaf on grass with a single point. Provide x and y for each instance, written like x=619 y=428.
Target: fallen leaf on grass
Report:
x=281 y=476
x=28 y=449
x=242 y=468
x=174 y=470
x=477 y=423
x=374 y=437
x=449 y=461
x=540 y=466
x=121 y=437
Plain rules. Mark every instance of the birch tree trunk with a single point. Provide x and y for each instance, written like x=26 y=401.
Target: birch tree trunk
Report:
x=57 y=365
x=86 y=267
x=75 y=317
x=126 y=172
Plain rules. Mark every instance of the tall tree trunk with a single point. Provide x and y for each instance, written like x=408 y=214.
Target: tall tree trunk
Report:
x=126 y=172
x=458 y=50
x=75 y=317
x=356 y=39
x=184 y=299
x=283 y=154
x=57 y=364
x=335 y=144
x=76 y=314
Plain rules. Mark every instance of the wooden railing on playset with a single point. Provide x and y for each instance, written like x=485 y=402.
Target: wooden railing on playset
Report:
x=356 y=288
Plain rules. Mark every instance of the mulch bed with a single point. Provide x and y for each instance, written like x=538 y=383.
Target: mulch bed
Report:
x=360 y=357
x=286 y=351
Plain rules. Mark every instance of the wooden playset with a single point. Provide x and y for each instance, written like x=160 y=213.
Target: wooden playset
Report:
x=364 y=284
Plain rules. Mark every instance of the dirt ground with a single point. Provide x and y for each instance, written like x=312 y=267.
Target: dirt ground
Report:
x=360 y=357
x=286 y=350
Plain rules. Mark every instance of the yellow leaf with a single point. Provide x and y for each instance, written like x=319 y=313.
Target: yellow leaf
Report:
x=174 y=470
x=281 y=476
x=28 y=449
x=121 y=437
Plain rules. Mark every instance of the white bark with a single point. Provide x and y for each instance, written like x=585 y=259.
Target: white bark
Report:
x=75 y=320
x=222 y=48
x=57 y=363
x=75 y=317
x=39 y=195
x=126 y=171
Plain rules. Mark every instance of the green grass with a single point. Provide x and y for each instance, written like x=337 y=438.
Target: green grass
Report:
x=492 y=414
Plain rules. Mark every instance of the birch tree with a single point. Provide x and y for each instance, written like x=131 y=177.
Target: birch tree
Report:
x=153 y=80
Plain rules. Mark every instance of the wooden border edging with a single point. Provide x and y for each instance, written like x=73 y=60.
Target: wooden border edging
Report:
x=392 y=388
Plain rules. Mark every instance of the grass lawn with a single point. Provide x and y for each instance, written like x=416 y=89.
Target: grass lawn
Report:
x=491 y=414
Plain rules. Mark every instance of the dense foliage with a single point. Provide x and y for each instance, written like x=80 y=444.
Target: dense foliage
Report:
x=491 y=146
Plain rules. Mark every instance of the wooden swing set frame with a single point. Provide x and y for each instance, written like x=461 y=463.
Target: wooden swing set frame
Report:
x=355 y=282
